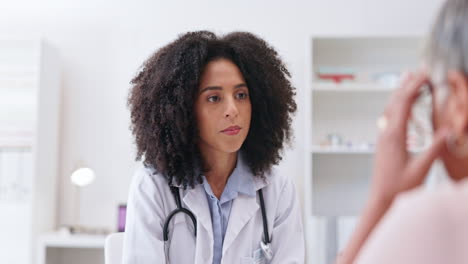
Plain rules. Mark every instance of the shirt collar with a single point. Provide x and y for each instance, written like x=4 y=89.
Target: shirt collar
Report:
x=240 y=181
x=244 y=177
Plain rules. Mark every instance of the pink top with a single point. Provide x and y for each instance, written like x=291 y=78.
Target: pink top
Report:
x=422 y=227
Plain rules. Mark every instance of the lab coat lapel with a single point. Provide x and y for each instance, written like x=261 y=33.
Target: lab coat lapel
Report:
x=243 y=209
x=195 y=199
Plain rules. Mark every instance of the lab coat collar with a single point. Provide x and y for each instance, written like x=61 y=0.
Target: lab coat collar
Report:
x=243 y=169
x=195 y=200
x=259 y=182
x=244 y=207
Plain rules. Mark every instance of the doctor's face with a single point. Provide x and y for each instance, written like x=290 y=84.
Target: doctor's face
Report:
x=222 y=107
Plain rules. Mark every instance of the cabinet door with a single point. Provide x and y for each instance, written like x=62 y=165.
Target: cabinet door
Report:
x=15 y=205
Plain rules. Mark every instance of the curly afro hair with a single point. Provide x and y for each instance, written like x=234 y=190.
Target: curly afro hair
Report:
x=163 y=93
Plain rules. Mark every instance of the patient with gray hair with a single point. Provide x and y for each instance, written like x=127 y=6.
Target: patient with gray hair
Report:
x=402 y=222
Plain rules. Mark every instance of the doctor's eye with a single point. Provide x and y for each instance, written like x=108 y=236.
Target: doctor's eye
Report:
x=242 y=96
x=213 y=99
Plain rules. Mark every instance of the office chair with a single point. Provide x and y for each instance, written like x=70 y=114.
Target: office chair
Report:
x=113 y=248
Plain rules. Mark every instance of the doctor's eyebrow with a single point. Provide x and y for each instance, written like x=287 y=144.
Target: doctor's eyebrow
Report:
x=240 y=85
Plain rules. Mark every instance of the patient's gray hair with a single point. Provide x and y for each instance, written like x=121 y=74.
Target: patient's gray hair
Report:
x=448 y=44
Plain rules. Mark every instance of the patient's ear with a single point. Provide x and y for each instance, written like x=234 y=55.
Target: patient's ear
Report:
x=457 y=104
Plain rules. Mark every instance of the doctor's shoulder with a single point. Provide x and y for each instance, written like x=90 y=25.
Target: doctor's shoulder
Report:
x=147 y=175
x=278 y=185
x=149 y=183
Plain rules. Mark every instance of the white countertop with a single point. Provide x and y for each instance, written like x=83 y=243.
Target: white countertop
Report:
x=72 y=241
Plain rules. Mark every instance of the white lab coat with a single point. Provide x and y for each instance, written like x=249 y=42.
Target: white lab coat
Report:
x=150 y=202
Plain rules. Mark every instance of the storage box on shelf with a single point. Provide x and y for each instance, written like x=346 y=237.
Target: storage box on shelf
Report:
x=29 y=109
x=351 y=79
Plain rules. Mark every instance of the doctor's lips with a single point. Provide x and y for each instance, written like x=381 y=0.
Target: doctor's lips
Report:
x=232 y=130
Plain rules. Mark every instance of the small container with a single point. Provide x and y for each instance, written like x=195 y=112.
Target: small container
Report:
x=121 y=218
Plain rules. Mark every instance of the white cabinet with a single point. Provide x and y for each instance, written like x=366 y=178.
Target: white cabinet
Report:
x=54 y=248
x=29 y=134
x=350 y=80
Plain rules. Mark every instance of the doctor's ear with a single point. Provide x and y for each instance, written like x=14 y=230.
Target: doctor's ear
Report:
x=457 y=102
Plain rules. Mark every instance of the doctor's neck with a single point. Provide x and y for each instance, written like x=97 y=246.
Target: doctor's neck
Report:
x=220 y=166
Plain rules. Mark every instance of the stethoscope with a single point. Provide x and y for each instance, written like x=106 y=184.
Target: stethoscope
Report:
x=264 y=244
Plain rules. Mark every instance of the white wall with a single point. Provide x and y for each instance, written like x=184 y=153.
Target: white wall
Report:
x=102 y=43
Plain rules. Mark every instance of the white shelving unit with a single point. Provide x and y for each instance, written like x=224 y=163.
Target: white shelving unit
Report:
x=351 y=87
x=29 y=122
x=341 y=150
x=337 y=176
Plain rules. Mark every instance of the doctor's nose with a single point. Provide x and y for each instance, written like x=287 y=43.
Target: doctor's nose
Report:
x=231 y=110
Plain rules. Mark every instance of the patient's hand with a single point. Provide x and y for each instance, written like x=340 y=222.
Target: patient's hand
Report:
x=395 y=170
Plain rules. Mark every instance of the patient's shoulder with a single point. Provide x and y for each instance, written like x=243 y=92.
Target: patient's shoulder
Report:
x=449 y=199
x=422 y=226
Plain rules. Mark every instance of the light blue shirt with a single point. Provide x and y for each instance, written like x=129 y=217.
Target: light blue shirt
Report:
x=239 y=182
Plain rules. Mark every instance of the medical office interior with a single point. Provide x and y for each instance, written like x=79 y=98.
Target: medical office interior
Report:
x=65 y=68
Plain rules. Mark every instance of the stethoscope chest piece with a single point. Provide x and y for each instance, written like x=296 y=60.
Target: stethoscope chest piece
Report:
x=267 y=252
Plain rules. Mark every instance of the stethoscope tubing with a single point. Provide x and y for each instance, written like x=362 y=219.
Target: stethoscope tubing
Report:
x=180 y=209
x=172 y=214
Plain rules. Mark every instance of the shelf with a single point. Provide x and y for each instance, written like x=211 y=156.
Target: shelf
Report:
x=350 y=87
x=15 y=82
x=341 y=150
x=16 y=139
x=16 y=143
x=345 y=150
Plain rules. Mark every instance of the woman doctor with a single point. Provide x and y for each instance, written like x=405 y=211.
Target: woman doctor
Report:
x=210 y=116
